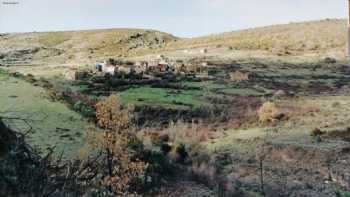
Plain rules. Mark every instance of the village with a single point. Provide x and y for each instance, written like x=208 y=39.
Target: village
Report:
x=145 y=69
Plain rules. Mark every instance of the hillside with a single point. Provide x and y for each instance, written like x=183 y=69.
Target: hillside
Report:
x=322 y=35
x=315 y=37
x=79 y=46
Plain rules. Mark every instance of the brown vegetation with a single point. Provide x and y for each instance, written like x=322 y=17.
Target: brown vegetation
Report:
x=239 y=76
x=279 y=39
x=268 y=112
x=120 y=169
x=111 y=114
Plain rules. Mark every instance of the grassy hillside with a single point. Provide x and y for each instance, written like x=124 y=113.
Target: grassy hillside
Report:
x=290 y=38
x=54 y=124
x=88 y=46
x=75 y=46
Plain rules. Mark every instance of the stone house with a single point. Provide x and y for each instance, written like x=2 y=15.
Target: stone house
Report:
x=141 y=67
x=125 y=69
x=109 y=69
x=163 y=66
x=204 y=51
x=179 y=67
x=73 y=75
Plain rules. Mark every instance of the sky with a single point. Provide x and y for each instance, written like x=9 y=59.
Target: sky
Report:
x=184 y=18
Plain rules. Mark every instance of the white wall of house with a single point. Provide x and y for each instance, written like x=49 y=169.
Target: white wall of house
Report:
x=109 y=69
x=125 y=70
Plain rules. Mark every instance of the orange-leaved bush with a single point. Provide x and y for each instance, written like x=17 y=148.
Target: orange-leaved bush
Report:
x=268 y=112
x=111 y=114
x=239 y=76
x=120 y=169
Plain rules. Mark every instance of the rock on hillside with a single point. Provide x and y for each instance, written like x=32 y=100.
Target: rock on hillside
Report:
x=145 y=39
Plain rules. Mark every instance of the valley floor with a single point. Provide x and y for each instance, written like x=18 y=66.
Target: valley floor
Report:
x=304 y=151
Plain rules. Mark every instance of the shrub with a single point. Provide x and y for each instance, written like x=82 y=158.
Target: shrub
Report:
x=155 y=150
x=268 y=112
x=52 y=95
x=77 y=106
x=111 y=114
x=121 y=171
x=204 y=172
x=336 y=104
x=30 y=78
x=185 y=141
x=316 y=132
x=329 y=60
x=239 y=76
x=84 y=109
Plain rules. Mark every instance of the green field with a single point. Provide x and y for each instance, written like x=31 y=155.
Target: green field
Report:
x=54 y=124
x=3 y=75
x=164 y=97
x=193 y=94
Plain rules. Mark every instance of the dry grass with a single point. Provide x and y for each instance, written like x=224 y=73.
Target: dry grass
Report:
x=89 y=46
x=93 y=44
x=184 y=140
x=287 y=109
x=279 y=39
x=239 y=76
x=53 y=39
x=328 y=114
x=268 y=112
x=298 y=108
